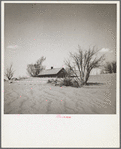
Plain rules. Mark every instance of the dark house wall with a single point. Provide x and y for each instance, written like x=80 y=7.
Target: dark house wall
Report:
x=61 y=74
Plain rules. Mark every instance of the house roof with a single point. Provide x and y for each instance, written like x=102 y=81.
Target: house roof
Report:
x=77 y=73
x=50 y=71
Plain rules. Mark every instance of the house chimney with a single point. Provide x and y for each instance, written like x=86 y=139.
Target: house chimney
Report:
x=51 y=67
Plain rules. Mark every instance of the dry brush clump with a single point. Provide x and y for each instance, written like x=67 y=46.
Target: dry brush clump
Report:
x=50 y=81
x=64 y=82
x=53 y=81
x=67 y=81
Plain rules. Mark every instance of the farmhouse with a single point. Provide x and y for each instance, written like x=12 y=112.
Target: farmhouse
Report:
x=53 y=72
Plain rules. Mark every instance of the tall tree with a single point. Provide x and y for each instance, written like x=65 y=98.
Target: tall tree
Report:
x=84 y=62
x=34 y=69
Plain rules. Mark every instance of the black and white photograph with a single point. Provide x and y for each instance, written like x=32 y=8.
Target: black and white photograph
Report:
x=60 y=58
x=60 y=65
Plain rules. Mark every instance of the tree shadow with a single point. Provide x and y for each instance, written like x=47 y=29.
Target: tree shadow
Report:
x=94 y=84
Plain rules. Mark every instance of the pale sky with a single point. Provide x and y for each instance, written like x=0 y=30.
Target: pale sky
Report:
x=54 y=30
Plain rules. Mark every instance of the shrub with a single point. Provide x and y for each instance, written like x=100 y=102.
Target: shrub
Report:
x=61 y=83
x=56 y=80
x=67 y=82
x=75 y=83
x=52 y=81
x=49 y=81
x=64 y=82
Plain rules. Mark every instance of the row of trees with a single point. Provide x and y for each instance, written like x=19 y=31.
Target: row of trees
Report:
x=83 y=61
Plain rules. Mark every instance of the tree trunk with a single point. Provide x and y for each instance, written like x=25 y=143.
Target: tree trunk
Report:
x=87 y=77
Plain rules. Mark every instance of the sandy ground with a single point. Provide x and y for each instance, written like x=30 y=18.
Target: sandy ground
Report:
x=35 y=96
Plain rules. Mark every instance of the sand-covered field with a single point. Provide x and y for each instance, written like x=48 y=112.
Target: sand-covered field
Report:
x=35 y=96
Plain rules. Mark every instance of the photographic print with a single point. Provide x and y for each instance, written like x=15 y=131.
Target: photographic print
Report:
x=60 y=58
x=60 y=74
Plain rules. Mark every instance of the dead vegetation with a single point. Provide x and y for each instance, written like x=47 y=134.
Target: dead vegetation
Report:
x=64 y=82
x=82 y=63
x=9 y=72
x=34 y=69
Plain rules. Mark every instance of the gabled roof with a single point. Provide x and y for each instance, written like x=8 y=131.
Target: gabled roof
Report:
x=50 y=71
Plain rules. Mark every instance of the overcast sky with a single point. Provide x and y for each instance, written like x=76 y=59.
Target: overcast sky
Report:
x=54 y=30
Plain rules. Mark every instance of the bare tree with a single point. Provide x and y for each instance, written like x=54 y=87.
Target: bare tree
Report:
x=31 y=70
x=34 y=69
x=83 y=63
x=9 y=72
